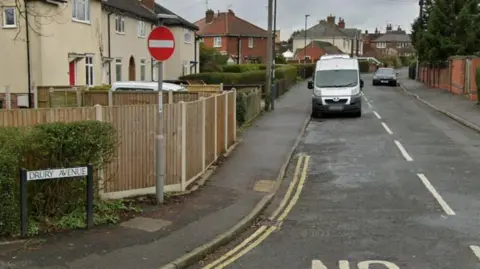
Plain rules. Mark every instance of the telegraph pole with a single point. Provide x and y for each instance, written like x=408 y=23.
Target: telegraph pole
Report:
x=417 y=71
x=274 y=51
x=268 y=86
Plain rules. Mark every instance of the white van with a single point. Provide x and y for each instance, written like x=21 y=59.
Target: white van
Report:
x=336 y=87
x=145 y=86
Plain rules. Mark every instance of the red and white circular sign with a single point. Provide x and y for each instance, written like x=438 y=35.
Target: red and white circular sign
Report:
x=161 y=43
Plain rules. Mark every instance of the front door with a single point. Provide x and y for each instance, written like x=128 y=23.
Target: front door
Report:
x=71 y=72
x=131 y=69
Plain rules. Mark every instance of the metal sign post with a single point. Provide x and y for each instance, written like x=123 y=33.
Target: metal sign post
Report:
x=74 y=172
x=161 y=45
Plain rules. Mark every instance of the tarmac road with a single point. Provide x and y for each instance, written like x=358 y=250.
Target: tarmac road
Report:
x=397 y=188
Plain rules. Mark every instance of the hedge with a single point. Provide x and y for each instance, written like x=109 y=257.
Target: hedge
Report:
x=364 y=66
x=52 y=204
x=305 y=70
x=249 y=77
x=477 y=77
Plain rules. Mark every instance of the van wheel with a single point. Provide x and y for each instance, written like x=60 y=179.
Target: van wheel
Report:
x=315 y=114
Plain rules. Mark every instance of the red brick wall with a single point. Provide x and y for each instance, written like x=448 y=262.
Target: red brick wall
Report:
x=452 y=77
x=230 y=45
x=208 y=42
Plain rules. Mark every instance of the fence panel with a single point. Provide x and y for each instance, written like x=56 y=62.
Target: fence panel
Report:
x=91 y=98
x=194 y=143
x=30 y=117
x=220 y=124
x=211 y=118
x=134 y=165
x=232 y=121
x=205 y=88
x=172 y=129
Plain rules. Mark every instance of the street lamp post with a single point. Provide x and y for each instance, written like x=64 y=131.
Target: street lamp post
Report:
x=305 y=48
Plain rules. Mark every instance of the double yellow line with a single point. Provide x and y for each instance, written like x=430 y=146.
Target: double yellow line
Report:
x=264 y=231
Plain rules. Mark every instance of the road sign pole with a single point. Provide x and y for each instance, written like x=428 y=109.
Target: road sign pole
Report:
x=161 y=45
x=160 y=139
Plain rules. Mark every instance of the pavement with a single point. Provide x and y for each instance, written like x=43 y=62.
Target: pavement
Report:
x=396 y=188
x=455 y=106
x=160 y=236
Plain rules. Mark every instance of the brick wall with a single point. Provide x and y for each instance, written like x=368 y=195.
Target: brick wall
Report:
x=13 y=97
x=453 y=77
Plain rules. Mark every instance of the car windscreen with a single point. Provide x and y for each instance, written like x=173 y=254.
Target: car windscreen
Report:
x=336 y=78
x=385 y=71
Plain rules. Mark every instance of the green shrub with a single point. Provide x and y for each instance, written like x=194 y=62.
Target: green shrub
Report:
x=364 y=66
x=52 y=145
x=304 y=70
x=241 y=107
x=477 y=79
x=250 y=77
x=11 y=146
x=241 y=68
x=104 y=87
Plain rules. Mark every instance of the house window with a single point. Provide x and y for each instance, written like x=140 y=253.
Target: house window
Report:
x=201 y=40
x=118 y=69
x=89 y=70
x=217 y=42
x=187 y=36
x=381 y=45
x=142 y=29
x=119 y=24
x=9 y=17
x=81 y=10
x=143 y=69
x=250 y=42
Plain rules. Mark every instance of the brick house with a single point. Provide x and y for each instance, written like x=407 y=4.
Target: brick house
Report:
x=393 y=42
x=315 y=50
x=233 y=36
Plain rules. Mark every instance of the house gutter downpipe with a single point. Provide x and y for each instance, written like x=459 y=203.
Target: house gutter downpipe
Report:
x=29 y=72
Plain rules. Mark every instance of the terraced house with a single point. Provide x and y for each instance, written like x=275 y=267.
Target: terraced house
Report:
x=86 y=42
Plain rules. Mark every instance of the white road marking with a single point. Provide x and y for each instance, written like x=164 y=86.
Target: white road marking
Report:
x=376 y=114
x=370 y=105
x=476 y=250
x=364 y=97
x=366 y=264
x=437 y=196
x=161 y=44
x=318 y=264
x=386 y=128
x=403 y=151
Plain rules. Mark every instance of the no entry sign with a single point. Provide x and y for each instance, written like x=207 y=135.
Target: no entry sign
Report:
x=161 y=43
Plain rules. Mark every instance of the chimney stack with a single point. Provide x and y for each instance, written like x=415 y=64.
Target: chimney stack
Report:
x=389 y=27
x=209 y=15
x=231 y=12
x=331 y=19
x=341 y=23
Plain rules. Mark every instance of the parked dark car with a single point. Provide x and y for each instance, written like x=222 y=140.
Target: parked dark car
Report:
x=386 y=76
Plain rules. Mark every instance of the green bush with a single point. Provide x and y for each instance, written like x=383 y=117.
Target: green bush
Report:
x=104 y=87
x=51 y=203
x=364 y=66
x=250 y=77
x=477 y=77
x=304 y=70
x=241 y=68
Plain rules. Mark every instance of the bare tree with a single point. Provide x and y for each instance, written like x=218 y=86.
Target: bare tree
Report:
x=29 y=15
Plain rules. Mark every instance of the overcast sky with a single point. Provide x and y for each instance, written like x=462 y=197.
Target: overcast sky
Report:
x=362 y=14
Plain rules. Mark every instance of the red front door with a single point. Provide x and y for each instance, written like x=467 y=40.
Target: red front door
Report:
x=71 y=72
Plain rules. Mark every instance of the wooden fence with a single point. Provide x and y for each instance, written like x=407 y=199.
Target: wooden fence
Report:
x=196 y=134
x=49 y=97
